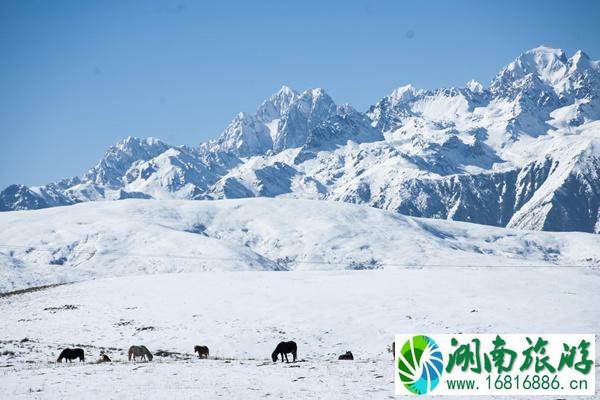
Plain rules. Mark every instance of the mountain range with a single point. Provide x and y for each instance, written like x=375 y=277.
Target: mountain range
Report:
x=523 y=152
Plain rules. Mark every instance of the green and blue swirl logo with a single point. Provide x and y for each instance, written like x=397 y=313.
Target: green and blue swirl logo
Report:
x=420 y=364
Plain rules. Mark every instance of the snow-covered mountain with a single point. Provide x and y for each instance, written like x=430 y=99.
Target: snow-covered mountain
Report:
x=523 y=152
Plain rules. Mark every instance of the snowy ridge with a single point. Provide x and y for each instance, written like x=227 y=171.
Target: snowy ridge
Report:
x=130 y=237
x=522 y=152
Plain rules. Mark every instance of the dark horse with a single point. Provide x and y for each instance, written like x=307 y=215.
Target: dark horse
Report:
x=347 y=356
x=284 y=348
x=202 y=351
x=71 y=354
x=104 y=357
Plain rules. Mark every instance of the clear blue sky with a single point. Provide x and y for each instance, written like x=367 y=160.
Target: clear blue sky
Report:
x=77 y=76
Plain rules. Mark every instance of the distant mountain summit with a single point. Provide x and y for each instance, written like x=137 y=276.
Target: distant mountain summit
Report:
x=523 y=152
x=290 y=120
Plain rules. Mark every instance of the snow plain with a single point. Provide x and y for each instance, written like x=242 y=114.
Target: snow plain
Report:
x=241 y=316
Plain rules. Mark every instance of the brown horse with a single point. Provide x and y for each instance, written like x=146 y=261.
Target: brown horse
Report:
x=202 y=351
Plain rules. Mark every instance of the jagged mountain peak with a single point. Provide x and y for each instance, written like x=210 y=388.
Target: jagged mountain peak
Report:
x=548 y=65
x=403 y=94
x=580 y=55
x=315 y=92
x=134 y=147
x=245 y=136
x=285 y=90
x=20 y=197
x=276 y=105
x=289 y=119
x=581 y=62
x=474 y=86
x=132 y=142
x=545 y=52
x=316 y=99
x=119 y=158
x=544 y=61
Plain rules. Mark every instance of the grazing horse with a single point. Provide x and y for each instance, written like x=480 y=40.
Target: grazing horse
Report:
x=71 y=354
x=104 y=357
x=139 y=351
x=284 y=348
x=202 y=351
x=347 y=356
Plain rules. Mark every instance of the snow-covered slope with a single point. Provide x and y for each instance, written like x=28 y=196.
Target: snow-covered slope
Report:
x=102 y=239
x=522 y=152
